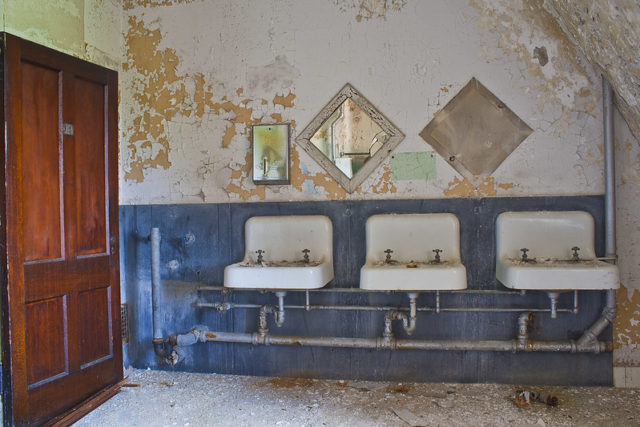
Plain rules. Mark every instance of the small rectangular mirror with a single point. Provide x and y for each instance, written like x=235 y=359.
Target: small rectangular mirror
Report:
x=270 y=154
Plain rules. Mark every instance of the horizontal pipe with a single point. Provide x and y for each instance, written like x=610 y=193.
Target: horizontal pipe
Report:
x=204 y=287
x=404 y=344
x=228 y=306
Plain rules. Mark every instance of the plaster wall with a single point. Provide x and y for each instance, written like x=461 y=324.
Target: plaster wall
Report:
x=88 y=29
x=191 y=92
x=627 y=327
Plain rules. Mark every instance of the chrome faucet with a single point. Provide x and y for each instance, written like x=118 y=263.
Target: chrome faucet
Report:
x=388 y=257
x=576 y=256
x=260 y=259
x=436 y=260
x=306 y=255
x=524 y=251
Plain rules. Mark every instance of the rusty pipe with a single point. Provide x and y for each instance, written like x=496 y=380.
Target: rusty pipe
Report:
x=409 y=322
x=391 y=343
x=524 y=320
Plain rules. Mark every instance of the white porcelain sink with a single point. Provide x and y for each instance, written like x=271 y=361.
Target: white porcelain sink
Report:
x=413 y=267
x=550 y=265
x=282 y=265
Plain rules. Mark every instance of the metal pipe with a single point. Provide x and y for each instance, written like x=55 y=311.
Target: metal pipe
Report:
x=610 y=310
x=155 y=282
x=553 y=299
x=390 y=343
x=523 y=328
x=609 y=169
x=204 y=287
x=223 y=307
x=606 y=318
x=279 y=315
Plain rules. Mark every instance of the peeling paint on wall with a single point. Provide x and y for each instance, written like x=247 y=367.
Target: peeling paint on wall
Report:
x=627 y=324
x=191 y=93
x=520 y=28
x=384 y=184
x=608 y=32
x=627 y=328
x=163 y=95
x=481 y=187
x=319 y=183
x=130 y=4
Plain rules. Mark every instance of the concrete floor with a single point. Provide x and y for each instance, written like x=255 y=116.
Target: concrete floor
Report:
x=174 y=398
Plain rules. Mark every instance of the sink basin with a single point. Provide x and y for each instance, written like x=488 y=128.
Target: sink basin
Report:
x=282 y=264
x=550 y=238
x=412 y=238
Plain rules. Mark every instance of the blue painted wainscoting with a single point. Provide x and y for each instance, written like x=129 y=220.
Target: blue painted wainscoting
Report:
x=199 y=240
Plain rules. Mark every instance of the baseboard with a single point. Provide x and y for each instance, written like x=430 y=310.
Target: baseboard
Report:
x=626 y=376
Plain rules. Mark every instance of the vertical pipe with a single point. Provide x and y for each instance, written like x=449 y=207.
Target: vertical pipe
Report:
x=609 y=312
x=155 y=281
x=609 y=170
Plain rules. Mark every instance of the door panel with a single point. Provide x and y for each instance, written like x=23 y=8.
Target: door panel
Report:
x=46 y=349
x=41 y=116
x=61 y=198
x=47 y=280
x=90 y=168
x=95 y=326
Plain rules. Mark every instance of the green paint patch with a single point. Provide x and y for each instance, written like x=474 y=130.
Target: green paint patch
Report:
x=409 y=166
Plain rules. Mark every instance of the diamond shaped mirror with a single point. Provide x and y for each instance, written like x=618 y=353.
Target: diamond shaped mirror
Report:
x=349 y=138
x=475 y=131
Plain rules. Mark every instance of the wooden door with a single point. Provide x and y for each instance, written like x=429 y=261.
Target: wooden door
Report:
x=62 y=341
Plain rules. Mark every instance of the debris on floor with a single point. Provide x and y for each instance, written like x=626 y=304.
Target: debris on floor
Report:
x=524 y=398
x=187 y=399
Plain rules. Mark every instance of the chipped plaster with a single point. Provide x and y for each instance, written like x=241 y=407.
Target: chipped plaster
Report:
x=627 y=326
x=608 y=32
x=191 y=93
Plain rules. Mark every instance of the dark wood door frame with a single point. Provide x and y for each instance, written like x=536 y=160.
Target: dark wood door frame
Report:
x=12 y=271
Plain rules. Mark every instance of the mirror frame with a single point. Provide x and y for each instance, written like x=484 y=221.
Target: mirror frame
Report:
x=304 y=139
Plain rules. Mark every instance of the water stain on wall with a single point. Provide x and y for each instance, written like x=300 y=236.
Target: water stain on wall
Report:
x=563 y=76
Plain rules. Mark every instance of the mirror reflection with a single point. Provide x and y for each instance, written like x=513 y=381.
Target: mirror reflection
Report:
x=349 y=137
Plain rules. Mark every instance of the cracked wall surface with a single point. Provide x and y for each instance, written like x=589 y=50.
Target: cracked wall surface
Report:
x=608 y=32
x=88 y=29
x=627 y=326
x=189 y=94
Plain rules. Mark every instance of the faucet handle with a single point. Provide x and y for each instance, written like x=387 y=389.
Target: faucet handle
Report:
x=260 y=252
x=576 y=256
x=524 y=254
x=306 y=255
x=388 y=257
x=437 y=252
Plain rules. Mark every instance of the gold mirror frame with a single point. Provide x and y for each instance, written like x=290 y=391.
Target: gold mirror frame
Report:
x=304 y=139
